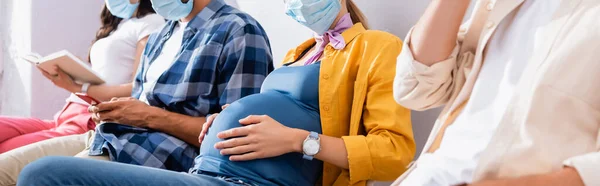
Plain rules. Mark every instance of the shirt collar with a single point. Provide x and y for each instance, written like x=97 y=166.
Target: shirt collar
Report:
x=348 y=35
x=202 y=17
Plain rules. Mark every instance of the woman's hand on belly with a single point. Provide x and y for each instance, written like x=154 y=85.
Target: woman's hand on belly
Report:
x=205 y=126
x=208 y=123
x=260 y=137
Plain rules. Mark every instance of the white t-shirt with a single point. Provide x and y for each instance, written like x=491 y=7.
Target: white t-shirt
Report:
x=164 y=60
x=113 y=57
x=508 y=51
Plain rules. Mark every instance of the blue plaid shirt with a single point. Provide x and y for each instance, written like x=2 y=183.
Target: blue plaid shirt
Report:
x=225 y=55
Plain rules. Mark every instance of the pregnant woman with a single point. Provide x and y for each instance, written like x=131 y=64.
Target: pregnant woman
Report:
x=289 y=95
x=326 y=118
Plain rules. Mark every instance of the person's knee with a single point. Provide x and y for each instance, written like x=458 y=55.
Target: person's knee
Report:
x=19 y=141
x=38 y=172
x=7 y=146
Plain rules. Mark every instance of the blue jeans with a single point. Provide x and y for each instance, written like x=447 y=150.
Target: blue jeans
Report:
x=56 y=171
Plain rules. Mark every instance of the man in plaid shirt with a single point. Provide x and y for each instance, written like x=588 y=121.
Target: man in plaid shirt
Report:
x=222 y=55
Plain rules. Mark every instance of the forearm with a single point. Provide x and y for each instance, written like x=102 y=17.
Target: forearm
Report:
x=566 y=176
x=106 y=92
x=333 y=150
x=186 y=128
x=434 y=36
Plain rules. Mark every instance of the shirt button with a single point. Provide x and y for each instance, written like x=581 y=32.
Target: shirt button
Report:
x=325 y=76
x=326 y=108
x=490 y=6
x=490 y=24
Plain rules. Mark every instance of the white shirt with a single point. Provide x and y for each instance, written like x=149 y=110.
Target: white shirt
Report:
x=509 y=49
x=164 y=60
x=113 y=57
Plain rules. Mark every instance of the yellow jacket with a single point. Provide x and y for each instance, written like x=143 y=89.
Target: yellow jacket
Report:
x=357 y=105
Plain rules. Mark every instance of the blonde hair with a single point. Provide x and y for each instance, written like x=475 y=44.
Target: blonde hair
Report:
x=356 y=15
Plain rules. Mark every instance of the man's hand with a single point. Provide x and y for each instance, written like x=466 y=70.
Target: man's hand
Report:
x=127 y=111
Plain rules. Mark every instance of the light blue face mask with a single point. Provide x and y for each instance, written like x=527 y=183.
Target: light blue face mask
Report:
x=121 y=8
x=172 y=9
x=318 y=15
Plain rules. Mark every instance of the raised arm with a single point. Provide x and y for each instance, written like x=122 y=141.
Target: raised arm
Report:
x=426 y=69
x=434 y=37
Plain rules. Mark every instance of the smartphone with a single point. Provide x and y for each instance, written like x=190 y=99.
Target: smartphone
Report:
x=87 y=99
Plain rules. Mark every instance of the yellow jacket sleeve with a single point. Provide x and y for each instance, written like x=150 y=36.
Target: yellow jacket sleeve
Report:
x=388 y=146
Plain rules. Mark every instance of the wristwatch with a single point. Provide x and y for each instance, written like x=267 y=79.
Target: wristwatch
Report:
x=311 y=146
x=85 y=87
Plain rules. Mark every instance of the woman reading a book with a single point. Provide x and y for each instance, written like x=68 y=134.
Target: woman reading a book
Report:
x=326 y=118
x=114 y=55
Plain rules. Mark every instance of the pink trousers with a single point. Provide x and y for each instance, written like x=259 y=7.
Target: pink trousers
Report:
x=16 y=132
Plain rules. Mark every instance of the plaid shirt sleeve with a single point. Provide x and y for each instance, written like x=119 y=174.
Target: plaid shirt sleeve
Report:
x=245 y=63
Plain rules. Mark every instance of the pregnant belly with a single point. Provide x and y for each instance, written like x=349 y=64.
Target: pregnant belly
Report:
x=288 y=169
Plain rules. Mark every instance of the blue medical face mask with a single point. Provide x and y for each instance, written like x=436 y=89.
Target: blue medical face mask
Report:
x=121 y=8
x=172 y=9
x=318 y=15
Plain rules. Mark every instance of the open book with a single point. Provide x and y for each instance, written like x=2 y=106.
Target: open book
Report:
x=80 y=71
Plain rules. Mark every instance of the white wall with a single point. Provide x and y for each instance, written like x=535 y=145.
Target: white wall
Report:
x=284 y=33
x=43 y=27
x=72 y=26
x=15 y=34
x=3 y=25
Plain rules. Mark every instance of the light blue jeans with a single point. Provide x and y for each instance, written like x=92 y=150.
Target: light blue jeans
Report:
x=57 y=171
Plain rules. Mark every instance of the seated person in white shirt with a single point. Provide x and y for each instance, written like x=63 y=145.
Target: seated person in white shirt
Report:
x=521 y=87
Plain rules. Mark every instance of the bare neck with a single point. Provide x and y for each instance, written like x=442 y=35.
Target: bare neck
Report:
x=343 y=12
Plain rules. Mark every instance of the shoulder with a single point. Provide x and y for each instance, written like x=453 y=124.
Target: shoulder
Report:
x=147 y=25
x=375 y=44
x=236 y=20
x=376 y=49
x=383 y=40
x=150 y=19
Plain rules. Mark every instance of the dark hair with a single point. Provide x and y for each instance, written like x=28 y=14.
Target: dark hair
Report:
x=111 y=22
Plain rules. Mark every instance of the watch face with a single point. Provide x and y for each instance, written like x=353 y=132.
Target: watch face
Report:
x=311 y=147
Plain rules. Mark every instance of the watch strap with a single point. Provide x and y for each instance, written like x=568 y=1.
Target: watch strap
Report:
x=314 y=135
x=307 y=157
x=85 y=87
